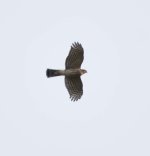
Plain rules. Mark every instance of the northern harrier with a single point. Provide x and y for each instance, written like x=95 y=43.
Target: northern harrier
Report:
x=72 y=72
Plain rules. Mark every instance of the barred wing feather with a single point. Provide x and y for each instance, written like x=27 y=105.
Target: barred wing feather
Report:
x=75 y=57
x=75 y=87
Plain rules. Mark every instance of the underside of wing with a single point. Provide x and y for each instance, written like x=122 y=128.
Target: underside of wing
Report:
x=75 y=57
x=75 y=87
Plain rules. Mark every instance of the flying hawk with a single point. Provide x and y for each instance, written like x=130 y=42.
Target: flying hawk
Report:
x=72 y=71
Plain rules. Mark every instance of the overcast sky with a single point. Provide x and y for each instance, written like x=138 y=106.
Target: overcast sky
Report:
x=37 y=117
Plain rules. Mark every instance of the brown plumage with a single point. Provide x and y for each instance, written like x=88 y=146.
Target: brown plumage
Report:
x=72 y=72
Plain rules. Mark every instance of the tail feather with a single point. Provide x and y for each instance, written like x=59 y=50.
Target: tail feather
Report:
x=52 y=73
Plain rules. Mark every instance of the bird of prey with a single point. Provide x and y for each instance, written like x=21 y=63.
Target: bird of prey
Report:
x=72 y=71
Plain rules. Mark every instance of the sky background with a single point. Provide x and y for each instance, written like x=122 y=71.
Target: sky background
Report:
x=37 y=117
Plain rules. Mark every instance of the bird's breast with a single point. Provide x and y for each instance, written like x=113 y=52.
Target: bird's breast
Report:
x=72 y=72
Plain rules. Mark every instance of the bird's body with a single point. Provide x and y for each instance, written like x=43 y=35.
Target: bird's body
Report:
x=72 y=72
x=67 y=72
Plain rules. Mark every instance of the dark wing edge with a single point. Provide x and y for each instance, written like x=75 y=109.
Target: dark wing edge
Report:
x=75 y=87
x=75 y=57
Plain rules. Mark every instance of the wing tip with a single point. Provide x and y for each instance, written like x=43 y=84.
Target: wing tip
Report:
x=76 y=45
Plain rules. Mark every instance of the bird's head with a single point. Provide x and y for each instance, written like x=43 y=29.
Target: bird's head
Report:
x=83 y=71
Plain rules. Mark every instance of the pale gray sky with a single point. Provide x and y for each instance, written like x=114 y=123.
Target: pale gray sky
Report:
x=37 y=117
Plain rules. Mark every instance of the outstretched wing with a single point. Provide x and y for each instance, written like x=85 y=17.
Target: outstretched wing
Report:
x=75 y=87
x=75 y=57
